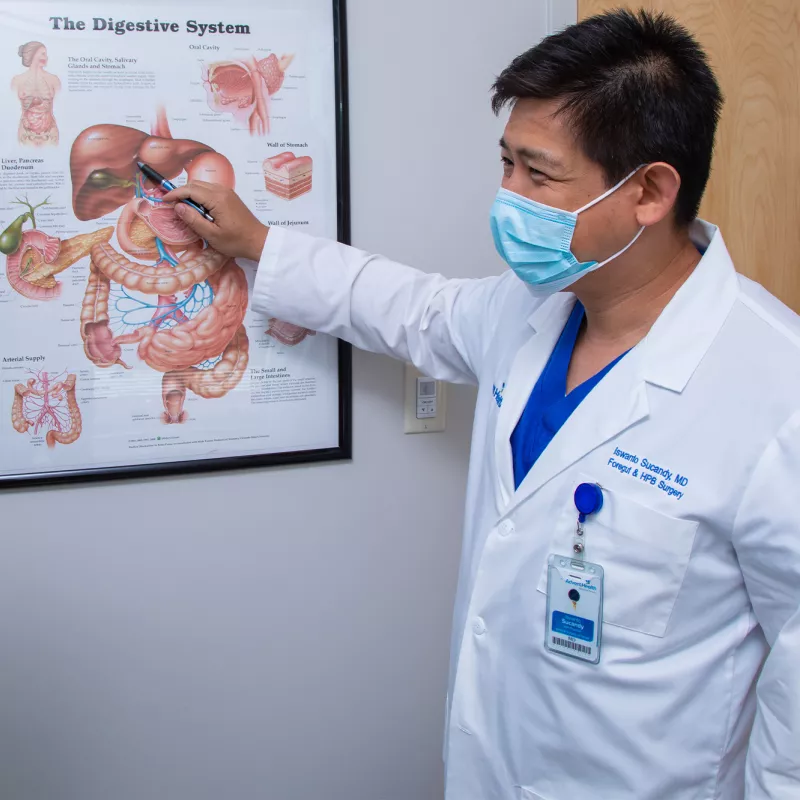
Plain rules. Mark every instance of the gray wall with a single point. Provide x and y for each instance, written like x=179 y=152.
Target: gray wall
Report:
x=280 y=633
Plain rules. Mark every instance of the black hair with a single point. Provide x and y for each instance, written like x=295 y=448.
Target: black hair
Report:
x=634 y=88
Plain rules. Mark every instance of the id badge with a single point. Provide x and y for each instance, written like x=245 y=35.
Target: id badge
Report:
x=574 y=608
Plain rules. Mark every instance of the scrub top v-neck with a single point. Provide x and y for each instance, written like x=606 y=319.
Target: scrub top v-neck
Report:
x=549 y=406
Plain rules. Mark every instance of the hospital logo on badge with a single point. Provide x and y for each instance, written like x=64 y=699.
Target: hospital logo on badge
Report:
x=498 y=394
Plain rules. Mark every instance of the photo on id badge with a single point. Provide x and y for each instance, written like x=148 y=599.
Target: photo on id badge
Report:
x=574 y=608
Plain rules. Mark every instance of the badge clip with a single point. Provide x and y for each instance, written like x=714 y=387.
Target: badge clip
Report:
x=588 y=500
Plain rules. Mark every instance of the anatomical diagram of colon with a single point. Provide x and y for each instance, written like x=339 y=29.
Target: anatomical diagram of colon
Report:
x=34 y=257
x=46 y=405
x=182 y=302
x=287 y=176
x=243 y=88
x=36 y=89
x=162 y=288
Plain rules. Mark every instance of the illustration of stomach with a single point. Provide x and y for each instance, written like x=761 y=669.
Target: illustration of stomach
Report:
x=47 y=405
x=243 y=88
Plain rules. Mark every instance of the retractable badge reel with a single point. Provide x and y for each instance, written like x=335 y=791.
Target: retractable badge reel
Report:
x=574 y=623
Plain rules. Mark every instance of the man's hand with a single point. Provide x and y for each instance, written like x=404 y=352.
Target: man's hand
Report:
x=235 y=231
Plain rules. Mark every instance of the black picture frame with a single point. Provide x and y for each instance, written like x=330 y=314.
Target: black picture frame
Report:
x=344 y=450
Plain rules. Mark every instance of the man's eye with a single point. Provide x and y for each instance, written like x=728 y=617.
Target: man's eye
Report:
x=535 y=173
x=507 y=162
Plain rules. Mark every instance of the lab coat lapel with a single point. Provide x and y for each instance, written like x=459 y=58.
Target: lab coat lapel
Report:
x=667 y=357
x=547 y=323
x=617 y=402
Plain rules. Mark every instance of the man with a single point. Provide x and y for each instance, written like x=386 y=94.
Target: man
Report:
x=637 y=437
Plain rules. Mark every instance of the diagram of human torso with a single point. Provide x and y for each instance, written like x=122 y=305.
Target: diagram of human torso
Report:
x=36 y=89
x=37 y=124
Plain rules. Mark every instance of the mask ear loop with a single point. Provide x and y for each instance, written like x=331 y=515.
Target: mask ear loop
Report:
x=620 y=252
x=603 y=197
x=609 y=192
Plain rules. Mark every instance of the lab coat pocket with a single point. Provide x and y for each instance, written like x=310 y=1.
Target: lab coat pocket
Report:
x=644 y=555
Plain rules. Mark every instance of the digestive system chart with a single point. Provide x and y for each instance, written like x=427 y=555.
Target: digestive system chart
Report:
x=124 y=336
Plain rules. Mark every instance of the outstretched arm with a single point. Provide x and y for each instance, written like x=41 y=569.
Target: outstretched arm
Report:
x=441 y=325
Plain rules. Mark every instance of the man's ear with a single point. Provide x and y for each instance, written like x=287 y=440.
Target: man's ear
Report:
x=660 y=184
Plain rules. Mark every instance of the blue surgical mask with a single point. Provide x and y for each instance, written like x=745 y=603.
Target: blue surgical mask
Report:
x=535 y=240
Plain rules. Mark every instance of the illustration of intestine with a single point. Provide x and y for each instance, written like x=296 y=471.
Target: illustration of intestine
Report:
x=243 y=88
x=47 y=404
x=36 y=89
x=33 y=257
x=180 y=300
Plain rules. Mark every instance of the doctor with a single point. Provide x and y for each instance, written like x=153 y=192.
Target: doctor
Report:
x=626 y=624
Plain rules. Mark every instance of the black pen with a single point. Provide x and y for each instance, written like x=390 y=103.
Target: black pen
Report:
x=169 y=186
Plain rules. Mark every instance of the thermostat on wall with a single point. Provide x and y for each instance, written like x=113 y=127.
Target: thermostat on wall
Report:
x=424 y=402
x=426 y=398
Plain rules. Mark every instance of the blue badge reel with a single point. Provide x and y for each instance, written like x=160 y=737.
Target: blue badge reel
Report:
x=574 y=624
x=588 y=500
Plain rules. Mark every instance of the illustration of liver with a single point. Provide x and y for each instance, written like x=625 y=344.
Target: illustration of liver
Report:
x=288 y=176
x=103 y=165
x=243 y=88
x=47 y=405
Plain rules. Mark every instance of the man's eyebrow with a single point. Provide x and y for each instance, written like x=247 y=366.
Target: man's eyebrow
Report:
x=542 y=156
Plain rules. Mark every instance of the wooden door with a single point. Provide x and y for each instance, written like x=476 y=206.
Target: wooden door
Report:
x=754 y=191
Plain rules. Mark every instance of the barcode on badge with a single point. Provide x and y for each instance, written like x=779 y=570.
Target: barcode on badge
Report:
x=581 y=648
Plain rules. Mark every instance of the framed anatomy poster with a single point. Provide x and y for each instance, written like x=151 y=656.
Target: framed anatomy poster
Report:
x=127 y=345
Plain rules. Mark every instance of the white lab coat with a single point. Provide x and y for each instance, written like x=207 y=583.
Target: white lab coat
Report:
x=702 y=564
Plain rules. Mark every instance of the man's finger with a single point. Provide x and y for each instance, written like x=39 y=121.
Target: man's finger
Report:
x=197 y=222
x=199 y=191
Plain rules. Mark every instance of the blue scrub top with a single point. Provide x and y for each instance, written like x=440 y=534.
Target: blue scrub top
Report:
x=549 y=405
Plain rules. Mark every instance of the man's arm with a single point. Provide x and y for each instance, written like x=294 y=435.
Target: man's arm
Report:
x=442 y=326
x=766 y=536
